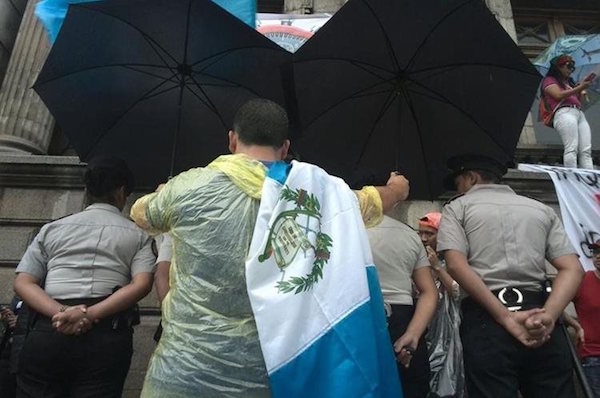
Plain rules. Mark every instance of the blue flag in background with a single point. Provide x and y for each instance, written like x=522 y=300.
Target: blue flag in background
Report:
x=52 y=13
x=243 y=9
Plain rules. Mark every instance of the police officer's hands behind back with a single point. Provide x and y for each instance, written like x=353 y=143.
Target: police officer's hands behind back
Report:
x=528 y=327
x=540 y=324
x=72 y=321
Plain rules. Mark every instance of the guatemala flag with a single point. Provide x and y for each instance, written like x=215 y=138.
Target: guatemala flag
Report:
x=314 y=291
x=52 y=13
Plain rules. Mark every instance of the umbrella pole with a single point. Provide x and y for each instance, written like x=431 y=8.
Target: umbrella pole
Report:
x=177 y=129
x=399 y=133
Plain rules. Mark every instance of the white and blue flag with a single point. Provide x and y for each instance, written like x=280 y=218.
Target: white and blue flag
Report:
x=314 y=291
x=52 y=13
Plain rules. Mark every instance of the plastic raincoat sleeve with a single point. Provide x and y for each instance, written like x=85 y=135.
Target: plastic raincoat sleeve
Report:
x=371 y=207
x=155 y=212
x=138 y=211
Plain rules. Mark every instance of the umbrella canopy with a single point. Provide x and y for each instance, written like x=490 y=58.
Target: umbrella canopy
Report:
x=585 y=51
x=405 y=85
x=156 y=82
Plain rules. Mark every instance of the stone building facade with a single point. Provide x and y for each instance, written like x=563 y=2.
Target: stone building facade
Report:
x=40 y=179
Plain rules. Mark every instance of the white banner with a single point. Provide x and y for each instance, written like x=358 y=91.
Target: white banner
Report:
x=578 y=193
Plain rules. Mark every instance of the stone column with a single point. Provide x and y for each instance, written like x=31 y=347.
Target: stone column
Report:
x=11 y=12
x=502 y=9
x=312 y=6
x=25 y=122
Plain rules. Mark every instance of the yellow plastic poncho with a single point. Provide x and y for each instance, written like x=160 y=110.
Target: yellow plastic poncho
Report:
x=209 y=346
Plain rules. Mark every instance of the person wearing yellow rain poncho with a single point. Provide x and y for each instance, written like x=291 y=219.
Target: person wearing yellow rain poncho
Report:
x=210 y=345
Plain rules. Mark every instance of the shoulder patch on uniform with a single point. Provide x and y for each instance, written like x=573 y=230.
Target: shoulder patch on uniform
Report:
x=454 y=198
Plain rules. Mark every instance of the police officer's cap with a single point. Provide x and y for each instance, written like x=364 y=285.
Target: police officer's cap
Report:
x=461 y=163
x=114 y=167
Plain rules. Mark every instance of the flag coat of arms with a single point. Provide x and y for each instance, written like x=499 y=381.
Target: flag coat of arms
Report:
x=314 y=291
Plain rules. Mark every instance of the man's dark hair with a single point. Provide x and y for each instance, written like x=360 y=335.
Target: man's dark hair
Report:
x=261 y=122
x=488 y=176
x=103 y=176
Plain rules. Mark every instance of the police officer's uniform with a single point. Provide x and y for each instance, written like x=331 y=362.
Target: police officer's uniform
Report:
x=506 y=239
x=397 y=253
x=82 y=259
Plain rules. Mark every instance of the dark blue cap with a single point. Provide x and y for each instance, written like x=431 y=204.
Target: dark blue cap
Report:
x=461 y=163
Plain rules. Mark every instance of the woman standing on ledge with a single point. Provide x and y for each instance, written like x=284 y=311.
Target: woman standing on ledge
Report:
x=563 y=96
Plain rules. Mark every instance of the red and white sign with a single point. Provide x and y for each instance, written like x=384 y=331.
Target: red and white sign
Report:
x=290 y=31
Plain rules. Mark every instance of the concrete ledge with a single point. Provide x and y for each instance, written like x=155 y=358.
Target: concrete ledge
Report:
x=41 y=171
x=546 y=154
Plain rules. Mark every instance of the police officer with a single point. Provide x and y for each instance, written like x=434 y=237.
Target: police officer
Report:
x=79 y=342
x=495 y=243
x=401 y=261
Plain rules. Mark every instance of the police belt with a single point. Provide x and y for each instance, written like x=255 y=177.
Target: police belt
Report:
x=121 y=321
x=513 y=298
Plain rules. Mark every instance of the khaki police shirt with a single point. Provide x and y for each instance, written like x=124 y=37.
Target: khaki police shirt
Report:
x=506 y=237
x=87 y=254
x=397 y=252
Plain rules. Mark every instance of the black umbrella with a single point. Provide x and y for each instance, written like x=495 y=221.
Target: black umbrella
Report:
x=155 y=81
x=405 y=85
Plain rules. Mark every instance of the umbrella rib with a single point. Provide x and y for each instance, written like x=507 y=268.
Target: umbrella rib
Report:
x=148 y=96
x=220 y=85
x=465 y=113
x=349 y=97
x=370 y=94
x=388 y=41
x=461 y=64
x=217 y=59
x=151 y=74
x=430 y=96
x=386 y=105
x=224 y=53
x=159 y=55
x=144 y=35
x=187 y=32
x=413 y=113
x=211 y=105
x=234 y=84
x=204 y=102
x=118 y=119
x=372 y=73
x=101 y=67
x=433 y=29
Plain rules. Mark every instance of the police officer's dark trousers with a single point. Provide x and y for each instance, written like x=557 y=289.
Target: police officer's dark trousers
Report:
x=94 y=364
x=415 y=379
x=498 y=366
